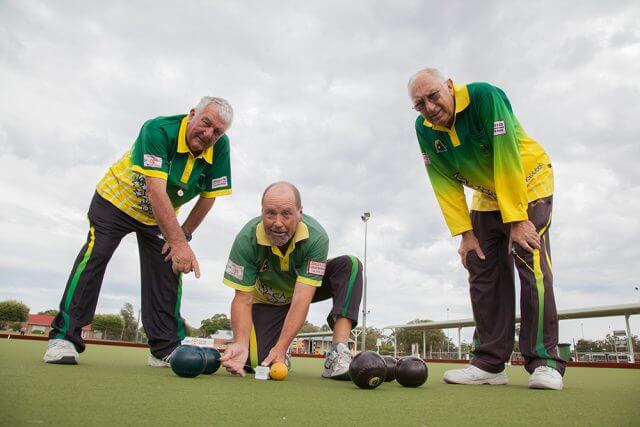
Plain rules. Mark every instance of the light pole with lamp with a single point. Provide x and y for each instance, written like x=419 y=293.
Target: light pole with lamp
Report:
x=365 y=218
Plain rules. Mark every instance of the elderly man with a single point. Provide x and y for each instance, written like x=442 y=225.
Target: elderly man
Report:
x=278 y=266
x=469 y=136
x=173 y=160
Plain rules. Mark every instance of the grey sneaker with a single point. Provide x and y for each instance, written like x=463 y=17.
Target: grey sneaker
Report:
x=547 y=378
x=61 y=352
x=474 y=375
x=336 y=364
x=165 y=362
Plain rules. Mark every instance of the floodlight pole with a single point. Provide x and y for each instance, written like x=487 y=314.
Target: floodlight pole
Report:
x=365 y=218
x=632 y=356
x=138 y=324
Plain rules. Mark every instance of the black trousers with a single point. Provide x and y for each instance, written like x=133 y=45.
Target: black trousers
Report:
x=492 y=289
x=342 y=282
x=161 y=287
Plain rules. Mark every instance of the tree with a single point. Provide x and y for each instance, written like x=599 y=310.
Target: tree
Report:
x=12 y=311
x=373 y=335
x=308 y=327
x=130 y=322
x=436 y=339
x=109 y=324
x=325 y=328
x=50 y=312
x=214 y=324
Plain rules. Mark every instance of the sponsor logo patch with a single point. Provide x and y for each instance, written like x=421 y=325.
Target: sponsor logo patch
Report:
x=151 y=161
x=425 y=157
x=316 y=267
x=219 y=182
x=440 y=148
x=234 y=270
x=499 y=128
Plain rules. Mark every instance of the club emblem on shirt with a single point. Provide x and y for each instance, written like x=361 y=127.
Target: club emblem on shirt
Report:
x=440 y=148
x=265 y=266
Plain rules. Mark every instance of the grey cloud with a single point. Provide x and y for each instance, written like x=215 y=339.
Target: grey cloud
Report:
x=320 y=97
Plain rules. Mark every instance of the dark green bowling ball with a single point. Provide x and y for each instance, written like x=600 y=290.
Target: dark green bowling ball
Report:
x=212 y=359
x=188 y=361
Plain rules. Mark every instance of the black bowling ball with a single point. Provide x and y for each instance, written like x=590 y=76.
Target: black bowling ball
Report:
x=411 y=371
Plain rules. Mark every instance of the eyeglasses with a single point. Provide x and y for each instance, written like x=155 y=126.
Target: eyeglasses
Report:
x=432 y=97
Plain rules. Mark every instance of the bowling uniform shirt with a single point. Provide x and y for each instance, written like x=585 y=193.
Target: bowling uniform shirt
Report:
x=161 y=151
x=488 y=151
x=255 y=265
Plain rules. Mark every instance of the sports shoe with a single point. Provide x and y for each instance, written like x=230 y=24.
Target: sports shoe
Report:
x=165 y=362
x=336 y=364
x=61 y=352
x=547 y=378
x=474 y=375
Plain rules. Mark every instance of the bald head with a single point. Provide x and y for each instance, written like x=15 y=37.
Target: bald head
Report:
x=430 y=74
x=433 y=96
x=283 y=188
x=281 y=212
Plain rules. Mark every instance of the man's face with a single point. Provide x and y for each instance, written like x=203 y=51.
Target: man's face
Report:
x=434 y=100
x=280 y=215
x=204 y=128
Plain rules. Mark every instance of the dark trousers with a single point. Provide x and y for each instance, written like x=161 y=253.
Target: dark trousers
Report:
x=161 y=287
x=342 y=282
x=492 y=291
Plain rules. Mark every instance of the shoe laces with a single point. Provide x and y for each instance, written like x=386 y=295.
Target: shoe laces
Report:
x=60 y=343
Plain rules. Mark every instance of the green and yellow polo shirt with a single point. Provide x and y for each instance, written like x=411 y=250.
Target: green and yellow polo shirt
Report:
x=257 y=266
x=487 y=150
x=161 y=151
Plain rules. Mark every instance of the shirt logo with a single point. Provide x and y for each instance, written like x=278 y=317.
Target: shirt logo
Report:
x=234 y=270
x=219 y=182
x=499 y=128
x=316 y=267
x=440 y=148
x=151 y=161
x=425 y=157
x=265 y=266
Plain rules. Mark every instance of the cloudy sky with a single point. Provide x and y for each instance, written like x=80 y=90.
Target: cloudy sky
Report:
x=319 y=91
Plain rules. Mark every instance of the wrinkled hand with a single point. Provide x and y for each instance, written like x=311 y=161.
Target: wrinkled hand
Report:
x=234 y=358
x=275 y=355
x=182 y=258
x=524 y=233
x=469 y=243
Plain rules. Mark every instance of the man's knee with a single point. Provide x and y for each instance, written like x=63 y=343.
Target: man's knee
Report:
x=345 y=263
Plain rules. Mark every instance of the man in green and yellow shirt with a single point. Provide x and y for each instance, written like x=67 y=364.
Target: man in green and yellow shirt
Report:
x=173 y=160
x=278 y=266
x=470 y=137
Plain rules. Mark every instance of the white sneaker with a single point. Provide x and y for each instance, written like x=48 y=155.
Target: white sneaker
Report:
x=336 y=364
x=61 y=352
x=547 y=378
x=474 y=375
x=165 y=362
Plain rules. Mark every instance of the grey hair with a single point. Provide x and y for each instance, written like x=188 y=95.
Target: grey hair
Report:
x=224 y=108
x=432 y=72
x=296 y=193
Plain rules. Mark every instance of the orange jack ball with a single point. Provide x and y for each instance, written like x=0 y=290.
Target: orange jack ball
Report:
x=278 y=371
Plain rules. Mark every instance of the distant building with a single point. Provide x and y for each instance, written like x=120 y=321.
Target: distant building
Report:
x=222 y=338
x=38 y=324
x=315 y=343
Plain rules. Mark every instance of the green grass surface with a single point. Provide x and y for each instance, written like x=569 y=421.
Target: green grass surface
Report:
x=113 y=386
